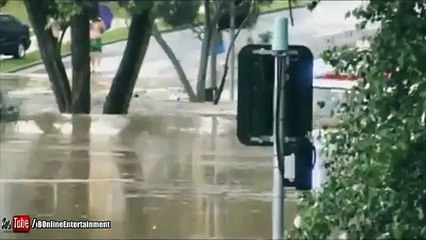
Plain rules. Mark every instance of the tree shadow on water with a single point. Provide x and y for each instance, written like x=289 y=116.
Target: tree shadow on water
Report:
x=79 y=164
x=73 y=197
x=45 y=162
x=56 y=157
x=129 y=165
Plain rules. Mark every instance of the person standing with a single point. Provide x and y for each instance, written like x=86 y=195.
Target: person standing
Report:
x=97 y=28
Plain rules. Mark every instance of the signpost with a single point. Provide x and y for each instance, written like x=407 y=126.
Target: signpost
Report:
x=279 y=49
x=275 y=109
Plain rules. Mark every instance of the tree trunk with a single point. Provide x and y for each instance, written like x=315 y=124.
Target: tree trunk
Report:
x=80 y=57
x=209 y=25
x=181 y=73
x=50 y=55
x=120 y=94
x=204 y=58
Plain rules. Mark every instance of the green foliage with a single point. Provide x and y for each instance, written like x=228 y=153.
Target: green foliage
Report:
x=265 y=37
x=62 y=11
x=253 y=10
x=136 y=7
x=313 y=4
x=3 y=3
x=376 y=165
x=177 y=12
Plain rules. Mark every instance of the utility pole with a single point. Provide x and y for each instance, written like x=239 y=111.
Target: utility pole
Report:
x=232 y=64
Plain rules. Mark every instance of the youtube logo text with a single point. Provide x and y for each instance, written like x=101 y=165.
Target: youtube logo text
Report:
x=23 y=224
x=18 y=224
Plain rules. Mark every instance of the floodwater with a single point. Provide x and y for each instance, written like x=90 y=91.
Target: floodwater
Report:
x=174 y=176
x=167 y=170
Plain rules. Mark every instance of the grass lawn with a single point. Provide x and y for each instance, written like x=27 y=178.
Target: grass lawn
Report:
x=8 y=65
x=16 y=8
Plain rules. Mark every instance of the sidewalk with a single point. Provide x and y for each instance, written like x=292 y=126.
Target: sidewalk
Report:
x=116 y=23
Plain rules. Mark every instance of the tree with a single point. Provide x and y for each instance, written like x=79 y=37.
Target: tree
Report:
x=77 y=99
x=76 y=13
x=376 y=167
x=209 y=23
x=213 y=13
x=180 y=13
x=120 y=94
x=248 y=22
x=181 y=73
x=177 y=14
x=80 y=54
x=52 y=60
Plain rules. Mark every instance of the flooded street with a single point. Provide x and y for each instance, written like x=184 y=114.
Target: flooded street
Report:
x=170 y=169
x=177 y=176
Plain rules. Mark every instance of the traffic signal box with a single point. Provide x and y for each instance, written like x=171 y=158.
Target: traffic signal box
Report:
x=255 y=105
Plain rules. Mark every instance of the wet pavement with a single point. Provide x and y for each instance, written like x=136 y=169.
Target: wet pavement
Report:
x=153 y=176
x=170 y=169
x=32 y=96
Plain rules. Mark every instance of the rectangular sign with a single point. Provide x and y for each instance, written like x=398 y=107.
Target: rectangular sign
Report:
x=256 y=75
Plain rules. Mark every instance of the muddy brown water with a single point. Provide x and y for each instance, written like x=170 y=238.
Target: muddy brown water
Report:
x=173 y=170
x=176 y=176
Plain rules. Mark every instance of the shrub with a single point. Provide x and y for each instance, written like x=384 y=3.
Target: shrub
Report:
x=376 y=167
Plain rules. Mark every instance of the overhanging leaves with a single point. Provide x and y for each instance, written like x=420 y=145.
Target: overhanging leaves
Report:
x=376 y=168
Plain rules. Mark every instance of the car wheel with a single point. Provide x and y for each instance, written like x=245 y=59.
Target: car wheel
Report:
x=20 y=51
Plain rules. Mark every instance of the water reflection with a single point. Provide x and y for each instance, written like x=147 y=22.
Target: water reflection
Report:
x=44 y=199
x=183 y=176
x=129 y=165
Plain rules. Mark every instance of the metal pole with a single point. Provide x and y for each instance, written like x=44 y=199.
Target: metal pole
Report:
x=232 y=34
x=279 y=44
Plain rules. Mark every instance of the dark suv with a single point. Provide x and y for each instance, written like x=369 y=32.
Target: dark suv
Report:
x=14 y=36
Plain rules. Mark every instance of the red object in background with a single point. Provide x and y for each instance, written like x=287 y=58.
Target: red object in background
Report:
x=340 y=76
x=345 y=76
x=386 y=74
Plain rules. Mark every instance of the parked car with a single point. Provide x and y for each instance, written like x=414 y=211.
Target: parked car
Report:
x=14 y=36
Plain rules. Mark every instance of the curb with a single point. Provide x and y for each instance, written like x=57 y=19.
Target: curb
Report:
x=124 y=38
